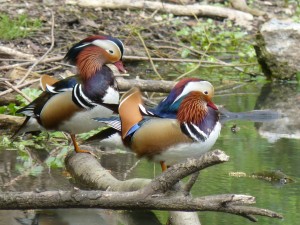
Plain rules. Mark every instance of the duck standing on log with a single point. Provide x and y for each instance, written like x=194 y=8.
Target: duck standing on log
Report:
x=185 y=124
x=70 y=104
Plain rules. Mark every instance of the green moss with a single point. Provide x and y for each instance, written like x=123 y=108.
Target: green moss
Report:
x=21 y=26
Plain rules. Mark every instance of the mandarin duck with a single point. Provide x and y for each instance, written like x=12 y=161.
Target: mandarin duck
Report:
x=185 y=124
x=70 y=104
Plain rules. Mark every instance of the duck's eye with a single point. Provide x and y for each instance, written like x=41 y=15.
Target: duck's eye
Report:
x=110 y=51
x=205 y=92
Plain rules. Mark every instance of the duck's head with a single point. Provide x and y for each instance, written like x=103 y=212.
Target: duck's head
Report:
x=194 y=101
x=180 y=90
x=91 y=53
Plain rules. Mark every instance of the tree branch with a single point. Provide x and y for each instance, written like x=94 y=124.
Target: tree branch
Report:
x=162 y=86
x=93 y=175
x=154 y=195
x=188 y=186
x=130 y=201
x=14 y=53
x=177 y=172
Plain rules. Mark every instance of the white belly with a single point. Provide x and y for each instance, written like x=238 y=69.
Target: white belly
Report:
x=181 y=152
x=113 y=142
x=84 y=121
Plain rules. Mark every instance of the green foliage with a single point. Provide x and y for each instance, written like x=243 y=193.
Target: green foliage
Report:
x=217 y=40
x=296 y=17
x=21 y=26
x=26 y=163
x=54 y=142
x=11 y=108
x=57 y=161
x=298 y=77
x=30 y=92
x=216 y=37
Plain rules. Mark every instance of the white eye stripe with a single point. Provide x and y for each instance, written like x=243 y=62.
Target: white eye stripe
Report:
x=83 y=45
x=108 y=45
x=195 y=86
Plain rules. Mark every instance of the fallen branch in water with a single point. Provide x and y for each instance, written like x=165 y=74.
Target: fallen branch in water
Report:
x=151 y=194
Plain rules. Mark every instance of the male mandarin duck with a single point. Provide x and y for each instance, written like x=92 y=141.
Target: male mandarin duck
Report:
x=70 y=104
x=185 y=124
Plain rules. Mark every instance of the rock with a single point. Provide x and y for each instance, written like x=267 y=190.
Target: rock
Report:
x=278 y=49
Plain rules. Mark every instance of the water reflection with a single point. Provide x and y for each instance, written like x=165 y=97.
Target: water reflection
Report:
x=77 y=217
x=284 y=99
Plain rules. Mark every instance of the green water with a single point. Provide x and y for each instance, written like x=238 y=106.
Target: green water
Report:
x=255 y=147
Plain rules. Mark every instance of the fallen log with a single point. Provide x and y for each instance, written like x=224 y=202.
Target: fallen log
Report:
x=239 y=17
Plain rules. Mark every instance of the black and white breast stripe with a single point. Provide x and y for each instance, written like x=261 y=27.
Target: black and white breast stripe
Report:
x=81 y=99
x=53 y=90
x=144 y=111
x=193 y=131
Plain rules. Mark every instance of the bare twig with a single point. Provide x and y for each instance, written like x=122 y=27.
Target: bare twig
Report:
x=189 y=72
x=140 y=58
x=50 y=49
x=50 y=69
x=19 y=86
x=130 y=169
x=177 y=172
x=18 y=90
x=149 y=56
x=196 y=67
x=188 y=186
x=53 y=59
x=236 y=67
x=15 y=53
x=15 y=60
